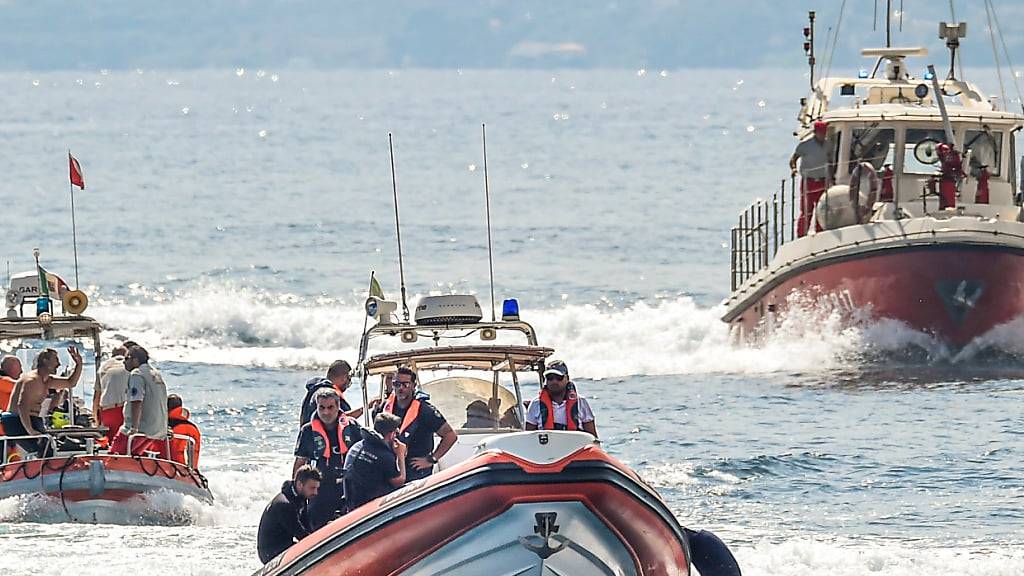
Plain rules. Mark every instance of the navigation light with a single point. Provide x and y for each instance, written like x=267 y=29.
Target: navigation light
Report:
x=510 y=309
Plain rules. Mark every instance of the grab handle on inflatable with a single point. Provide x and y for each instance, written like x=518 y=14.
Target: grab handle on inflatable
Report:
x=711 y=556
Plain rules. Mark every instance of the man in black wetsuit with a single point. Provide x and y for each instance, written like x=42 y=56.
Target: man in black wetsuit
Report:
x=284 y=521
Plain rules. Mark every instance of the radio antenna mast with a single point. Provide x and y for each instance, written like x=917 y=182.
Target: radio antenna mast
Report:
x=487 y=197
x=398 y=229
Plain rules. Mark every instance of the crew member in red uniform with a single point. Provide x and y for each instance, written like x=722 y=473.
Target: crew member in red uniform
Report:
x=421 y=421
x=559 y=406
x=179 y=425
x=815 y=156
x=323 y=442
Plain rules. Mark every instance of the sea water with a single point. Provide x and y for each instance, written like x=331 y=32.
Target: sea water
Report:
x=231 y=218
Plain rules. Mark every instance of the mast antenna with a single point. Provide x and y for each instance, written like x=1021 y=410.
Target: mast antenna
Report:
x=487 y=198
x=809 y=44
x=398 y=229
x=888 y=23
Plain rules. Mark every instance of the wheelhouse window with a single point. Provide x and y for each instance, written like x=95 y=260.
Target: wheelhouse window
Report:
x=985 y=147
x=919 y=154
x=873 y=145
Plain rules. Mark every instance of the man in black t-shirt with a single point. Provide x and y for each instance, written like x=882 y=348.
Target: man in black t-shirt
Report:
x=339 y=377
x=420 y=422
x=375 y=465
x=323 y=442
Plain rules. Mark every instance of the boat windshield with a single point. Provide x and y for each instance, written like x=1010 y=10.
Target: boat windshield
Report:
x=912 y=163
x=984 y=146
x=473 y=403
x=874 y=145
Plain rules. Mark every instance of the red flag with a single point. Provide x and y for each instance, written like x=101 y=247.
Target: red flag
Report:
x=76 y=172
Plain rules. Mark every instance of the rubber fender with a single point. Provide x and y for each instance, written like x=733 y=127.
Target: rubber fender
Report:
x=97 y=479
x=710 y=556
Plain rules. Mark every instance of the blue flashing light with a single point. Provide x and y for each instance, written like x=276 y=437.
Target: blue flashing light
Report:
x=510 y=309
x=862 y=73
x=42 y=305
x=928 y=75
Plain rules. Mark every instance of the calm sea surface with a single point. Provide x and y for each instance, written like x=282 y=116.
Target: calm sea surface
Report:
x=231 y=219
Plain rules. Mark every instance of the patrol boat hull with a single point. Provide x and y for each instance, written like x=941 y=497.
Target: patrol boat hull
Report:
x=946 y=280
x=96 y=488
x=530 y=503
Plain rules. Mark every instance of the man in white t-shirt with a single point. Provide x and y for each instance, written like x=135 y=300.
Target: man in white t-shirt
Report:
x=558 y=406
x=145 y=412
x=112 y=391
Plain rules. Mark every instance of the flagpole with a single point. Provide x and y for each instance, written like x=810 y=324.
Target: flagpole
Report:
x=74 y=227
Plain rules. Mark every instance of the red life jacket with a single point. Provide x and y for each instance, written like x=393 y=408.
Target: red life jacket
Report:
x=318 y=427
x=572 y=411
x=410 y=415
x=178 y=421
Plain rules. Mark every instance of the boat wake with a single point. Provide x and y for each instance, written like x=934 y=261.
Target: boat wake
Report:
x=226 y=324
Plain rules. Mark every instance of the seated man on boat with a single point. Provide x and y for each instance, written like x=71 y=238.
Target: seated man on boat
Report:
x=323 y=442
x=559 y=407
x=145 y=412
x=10 y=371
x=815 y=156
x=23 y=417
x=339 y=377
x=285 y=520
x=108 y=401
x=376 y=464
x=420 y=422
x=182 y=451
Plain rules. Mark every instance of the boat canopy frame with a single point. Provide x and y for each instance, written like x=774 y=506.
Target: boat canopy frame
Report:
x=57 y=328
x=494 y=358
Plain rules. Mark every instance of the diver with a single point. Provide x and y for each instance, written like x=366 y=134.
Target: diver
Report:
x=285 y=520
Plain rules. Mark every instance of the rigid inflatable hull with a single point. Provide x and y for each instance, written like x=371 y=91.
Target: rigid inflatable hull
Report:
x=953 y=292
x=503 y=517
x=95 y=488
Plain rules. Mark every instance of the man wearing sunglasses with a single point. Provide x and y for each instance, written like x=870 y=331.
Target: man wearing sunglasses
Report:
x=559 y=407
x=420 y=422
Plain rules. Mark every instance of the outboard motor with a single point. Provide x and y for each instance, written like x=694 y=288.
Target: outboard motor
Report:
x=711 y=557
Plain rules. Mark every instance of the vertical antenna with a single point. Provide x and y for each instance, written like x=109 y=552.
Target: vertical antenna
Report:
x=487 y=197
x=888 y=23
x=809 y=44
x=398 y=229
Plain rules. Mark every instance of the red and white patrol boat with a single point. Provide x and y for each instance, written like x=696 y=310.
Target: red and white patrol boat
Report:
x=89 y=484
x=537 y=503
x=923 y=221
x=503 y=500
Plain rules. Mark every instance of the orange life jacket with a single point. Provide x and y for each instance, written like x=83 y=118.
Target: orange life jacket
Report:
x=177 y=420
x=410 y=415
x=6 y=389
x=318 y=427
x=572 y=411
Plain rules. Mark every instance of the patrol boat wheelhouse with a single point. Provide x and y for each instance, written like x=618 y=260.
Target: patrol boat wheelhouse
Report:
x=504 y=500
x=923 y=223
x=90 y=484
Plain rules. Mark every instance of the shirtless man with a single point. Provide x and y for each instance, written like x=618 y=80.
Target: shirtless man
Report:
x=26 y=400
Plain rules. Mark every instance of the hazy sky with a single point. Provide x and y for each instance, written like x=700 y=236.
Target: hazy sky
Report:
x=119 y=34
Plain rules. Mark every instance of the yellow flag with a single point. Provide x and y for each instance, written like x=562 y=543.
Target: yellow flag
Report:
x=375 y=290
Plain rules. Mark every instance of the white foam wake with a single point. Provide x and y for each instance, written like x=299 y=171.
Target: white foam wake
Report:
x=223 y=324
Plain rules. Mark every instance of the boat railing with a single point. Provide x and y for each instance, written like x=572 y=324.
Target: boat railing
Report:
x=8 y=440
x=190 y=452
x=763 y=228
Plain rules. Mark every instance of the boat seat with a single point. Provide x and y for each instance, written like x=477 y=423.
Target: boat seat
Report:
x=538 y=446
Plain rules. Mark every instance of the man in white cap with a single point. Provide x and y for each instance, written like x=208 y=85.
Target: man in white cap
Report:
x=815 y=156
x=559 y=407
